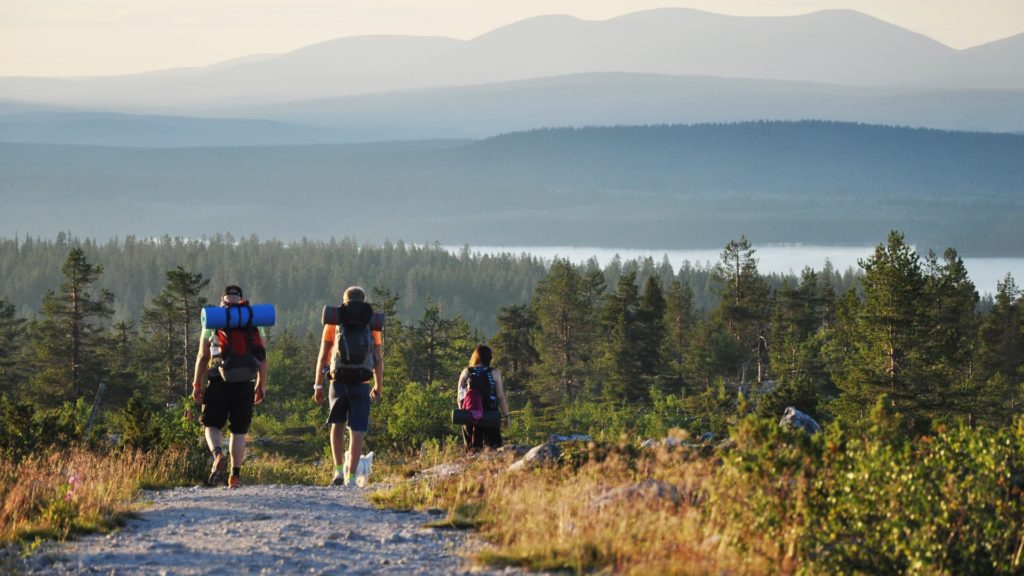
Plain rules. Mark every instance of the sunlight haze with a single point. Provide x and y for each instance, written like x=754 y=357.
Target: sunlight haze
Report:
x=103 y=37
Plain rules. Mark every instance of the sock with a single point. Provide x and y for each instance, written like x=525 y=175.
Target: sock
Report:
x=351 y=479
x=339 y=469
x=237 y=471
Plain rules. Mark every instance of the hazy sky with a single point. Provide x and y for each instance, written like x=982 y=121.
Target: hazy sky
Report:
x=87 y=37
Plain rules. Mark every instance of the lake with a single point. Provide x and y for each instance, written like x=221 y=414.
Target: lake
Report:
x=783 y=259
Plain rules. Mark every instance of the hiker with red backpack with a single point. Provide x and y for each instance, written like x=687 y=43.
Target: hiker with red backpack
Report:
x=350 y=354
x=233 y=362
x=480 y=392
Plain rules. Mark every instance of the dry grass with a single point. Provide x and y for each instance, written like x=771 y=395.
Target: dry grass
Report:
x=632 y=514
x=54 y=495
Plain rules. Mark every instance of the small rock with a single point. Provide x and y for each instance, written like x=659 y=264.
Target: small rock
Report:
x=793 y=418
x=442 y=470
x=537 y=456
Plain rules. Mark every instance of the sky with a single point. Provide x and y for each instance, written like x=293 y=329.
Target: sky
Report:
x=106 y=37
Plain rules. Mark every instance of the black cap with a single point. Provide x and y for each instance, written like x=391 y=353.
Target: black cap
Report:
x=232 y=290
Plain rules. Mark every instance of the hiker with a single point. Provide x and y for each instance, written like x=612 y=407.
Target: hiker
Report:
x=350 y=392
x=479 y=378
x=233 y=361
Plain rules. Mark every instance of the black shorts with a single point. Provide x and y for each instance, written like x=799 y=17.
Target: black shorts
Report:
x=228 y=402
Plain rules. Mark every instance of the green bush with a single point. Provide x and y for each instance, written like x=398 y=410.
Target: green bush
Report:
x=867 y=500
x=419 y=412
x=26 y=428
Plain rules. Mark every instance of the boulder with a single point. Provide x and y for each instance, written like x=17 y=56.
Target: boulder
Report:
x=519 y=450
x=793 y=418
x=537 y=456
x=441 y=471
x=645 y=490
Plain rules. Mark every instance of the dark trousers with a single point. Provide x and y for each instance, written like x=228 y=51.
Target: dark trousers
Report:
x=476 y=437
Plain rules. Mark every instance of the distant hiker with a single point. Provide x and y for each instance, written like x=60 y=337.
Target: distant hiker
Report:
x=480 y=388
x=234 y=364
x=350 y=354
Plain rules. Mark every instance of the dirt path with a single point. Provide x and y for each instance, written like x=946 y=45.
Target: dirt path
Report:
x=263 y=530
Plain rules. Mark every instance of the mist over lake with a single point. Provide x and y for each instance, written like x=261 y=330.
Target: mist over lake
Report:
x=780 y=259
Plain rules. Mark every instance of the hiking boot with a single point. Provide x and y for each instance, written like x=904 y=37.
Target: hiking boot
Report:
x=339 y=480
x=219 y=472
x=234 y=482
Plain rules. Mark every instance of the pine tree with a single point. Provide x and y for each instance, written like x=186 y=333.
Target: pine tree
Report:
x=12 y=333
x=743 y=308
x=563 y=305
x=68 y=335
x=513 y=347
x=436 y=348
x=620 y=362
x=679 y=323
x=172 y=318
x=889 y=353
x=1000 y=355
x=651 y=331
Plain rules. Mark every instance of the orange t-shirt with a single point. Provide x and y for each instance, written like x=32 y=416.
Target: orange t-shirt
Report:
x=331 y=330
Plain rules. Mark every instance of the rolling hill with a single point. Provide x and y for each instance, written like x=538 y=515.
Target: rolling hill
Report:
x=654 y=186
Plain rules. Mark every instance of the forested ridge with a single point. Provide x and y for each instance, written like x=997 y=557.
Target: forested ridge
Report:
x=829 y=183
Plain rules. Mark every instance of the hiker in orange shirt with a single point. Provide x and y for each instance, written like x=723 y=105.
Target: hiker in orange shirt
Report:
x=351 y=355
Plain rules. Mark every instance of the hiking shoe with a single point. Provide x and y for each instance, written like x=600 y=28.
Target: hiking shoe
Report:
x=219 y=472
x=234 y=482
x=339 y=480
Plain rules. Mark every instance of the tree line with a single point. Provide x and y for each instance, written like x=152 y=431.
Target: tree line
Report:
x=907 y=330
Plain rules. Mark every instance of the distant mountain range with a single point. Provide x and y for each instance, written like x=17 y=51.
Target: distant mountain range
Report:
x=660 y=66
x=642 y=187
x=485 y=110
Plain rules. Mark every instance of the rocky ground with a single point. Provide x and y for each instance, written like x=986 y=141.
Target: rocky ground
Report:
x=269 y=529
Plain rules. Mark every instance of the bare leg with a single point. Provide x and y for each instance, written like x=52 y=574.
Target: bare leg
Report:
x=355 y=450
x=338 y=444
x=237 y=450
x=213 y=438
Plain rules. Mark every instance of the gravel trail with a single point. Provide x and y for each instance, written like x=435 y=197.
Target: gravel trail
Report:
x=268 y=529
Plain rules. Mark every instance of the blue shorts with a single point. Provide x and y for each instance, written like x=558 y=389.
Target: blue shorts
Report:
x=350 y=403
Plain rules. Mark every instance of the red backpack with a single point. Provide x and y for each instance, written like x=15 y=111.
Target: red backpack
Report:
x=238 y=351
